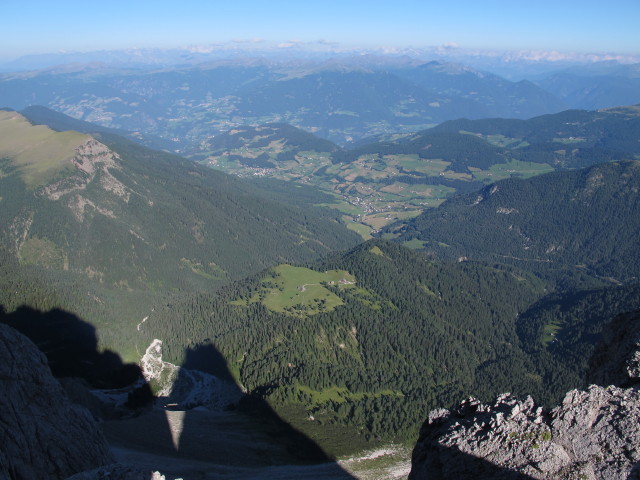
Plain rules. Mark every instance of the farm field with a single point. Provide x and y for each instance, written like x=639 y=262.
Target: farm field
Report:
x=373 y=191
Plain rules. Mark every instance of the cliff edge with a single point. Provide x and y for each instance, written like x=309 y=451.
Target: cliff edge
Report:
x=42 y=434
x=594 y=434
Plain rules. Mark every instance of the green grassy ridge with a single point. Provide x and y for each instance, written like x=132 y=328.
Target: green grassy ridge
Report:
x=300 y=291
x=41 y=154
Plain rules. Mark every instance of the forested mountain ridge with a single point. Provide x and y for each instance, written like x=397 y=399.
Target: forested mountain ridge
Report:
x=378 y=329
x=143 y=219
x=104 y=229
x=569 y=139
x=580 y=220
x=364 y=342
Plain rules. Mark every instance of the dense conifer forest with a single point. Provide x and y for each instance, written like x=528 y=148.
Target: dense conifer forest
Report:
x=410 y=335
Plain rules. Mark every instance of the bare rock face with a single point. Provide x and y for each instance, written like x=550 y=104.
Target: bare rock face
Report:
x=600 y=430
x=42 y=434
x=185 y=387
x=594 y=434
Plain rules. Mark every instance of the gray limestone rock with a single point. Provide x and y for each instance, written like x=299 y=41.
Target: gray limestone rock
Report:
x=594 y=434
x=42 y=434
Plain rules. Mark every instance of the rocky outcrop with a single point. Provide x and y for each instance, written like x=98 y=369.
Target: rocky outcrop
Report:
x=594 y=434
x=183 y=387
x=42 y=434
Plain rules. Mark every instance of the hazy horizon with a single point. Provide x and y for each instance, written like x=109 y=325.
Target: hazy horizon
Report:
x=36 y=27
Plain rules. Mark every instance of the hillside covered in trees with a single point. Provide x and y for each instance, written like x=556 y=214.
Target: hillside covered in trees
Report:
x=584 y=220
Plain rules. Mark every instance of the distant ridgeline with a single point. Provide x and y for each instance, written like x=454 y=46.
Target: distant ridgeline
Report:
x=340 y=101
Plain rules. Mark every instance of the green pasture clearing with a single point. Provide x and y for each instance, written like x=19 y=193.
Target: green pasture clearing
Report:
x=499 y=140
x=343 y=207
x=513 y=168
x=502 y=141
x=434 y=191
x=414 y=244
x=362 y=230
x=549 y=332
x=413 y=163
x=406 y=214
x=378 y=220
x=450 y=174
x=299 y=290
x=42 y=251
x=373 y=170
x=314 y=160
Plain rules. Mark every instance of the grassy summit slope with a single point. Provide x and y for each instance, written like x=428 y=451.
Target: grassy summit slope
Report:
x=39 y=152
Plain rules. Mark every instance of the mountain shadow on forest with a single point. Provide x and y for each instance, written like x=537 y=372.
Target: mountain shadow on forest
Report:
x=247 y=433
x=71 y=347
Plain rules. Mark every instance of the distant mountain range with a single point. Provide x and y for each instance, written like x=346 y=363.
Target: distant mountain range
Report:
x=595 y=86
x=181 y=106
x=508 y=63
x=188 y=105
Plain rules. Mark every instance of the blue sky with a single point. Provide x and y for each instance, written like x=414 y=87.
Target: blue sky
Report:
x=36 y=26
